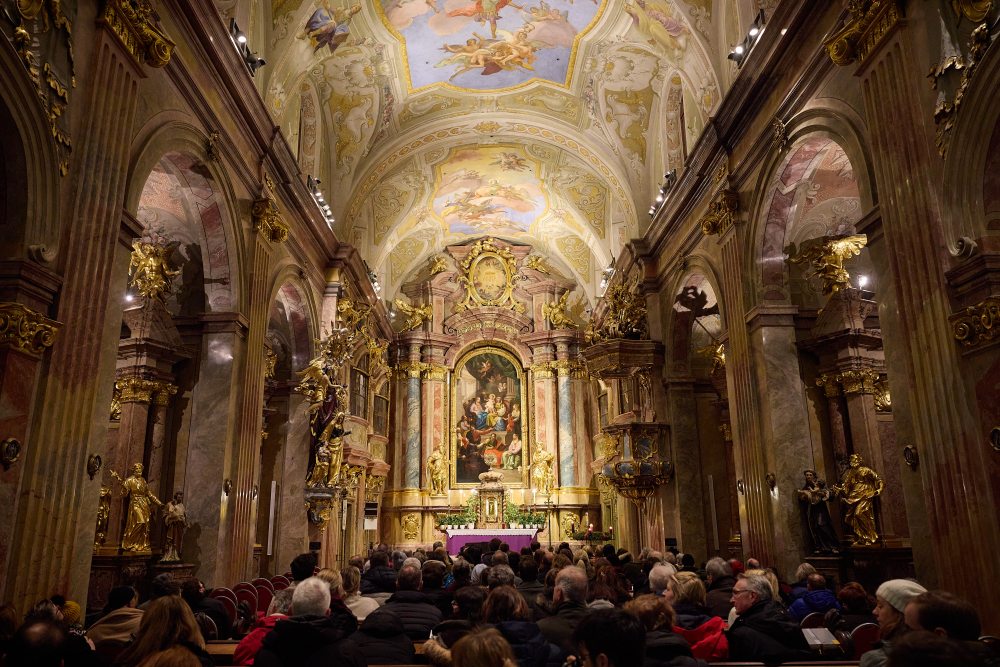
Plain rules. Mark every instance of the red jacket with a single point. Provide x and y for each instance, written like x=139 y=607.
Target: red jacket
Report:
x=247 y=649
x=708 y=641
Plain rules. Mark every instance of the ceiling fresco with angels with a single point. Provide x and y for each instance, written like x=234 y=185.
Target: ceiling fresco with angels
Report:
x=545 y=122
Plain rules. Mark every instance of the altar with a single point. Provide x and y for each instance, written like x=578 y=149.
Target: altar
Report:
x=515 y=537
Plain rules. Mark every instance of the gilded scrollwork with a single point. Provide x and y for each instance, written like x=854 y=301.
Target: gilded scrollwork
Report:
x=721 y=213
x=25 y=330
x=883 y=400
x=268 y=221
x=977 y=324
x=411 y=527
x=870 y=21
x=489 y=274
x=715 y=351
x=625 y=317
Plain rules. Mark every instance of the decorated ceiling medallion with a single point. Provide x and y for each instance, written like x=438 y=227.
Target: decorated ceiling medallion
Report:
x=488 y=44
x=489 y=274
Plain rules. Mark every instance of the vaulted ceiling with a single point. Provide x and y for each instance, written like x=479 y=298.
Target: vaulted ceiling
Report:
x=549 y=123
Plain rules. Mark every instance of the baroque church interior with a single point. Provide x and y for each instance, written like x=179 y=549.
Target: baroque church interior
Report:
x=413 y=271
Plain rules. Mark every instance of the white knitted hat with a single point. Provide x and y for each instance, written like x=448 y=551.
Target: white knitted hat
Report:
x=898 y=592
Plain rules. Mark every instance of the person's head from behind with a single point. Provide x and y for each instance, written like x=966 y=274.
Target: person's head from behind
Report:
x=772 y=579
x=535 y=546
x=44 y=610
x=164 y=584
x=175 y=656
x=749 y=590
x=462 y=572
x=280 y=603
x=891 y=599
x=357 y=561
x=855 y=599
x=501 y=558
x=685 y=588
x=167 y=622
x=659 y=577
x=485 y=647
x=928 y=649
x=687 y=560
x=193 y=591
x=752 y=563
x=654 y=612
x=495 y=544
x=125 y=596
x=397 y=559
x=8 y=622
x=474 y=555
x=528 y=569
x=718 y=569
x=37 y=644
x=503 y=604
x=379 y=559
x=803 y=572
x=816 y=582
x=570 y=587
x=433 y=574
x=350 y=577
x=311 y=598
x=597 y=590
x=468 y=604
x=611 y=638
x=500 y=575
x=409 y=579
x=943 y=614
x=333 y=580
x=303 y=566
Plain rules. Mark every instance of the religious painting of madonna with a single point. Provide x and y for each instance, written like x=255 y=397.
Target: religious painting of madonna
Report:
x=490 y=417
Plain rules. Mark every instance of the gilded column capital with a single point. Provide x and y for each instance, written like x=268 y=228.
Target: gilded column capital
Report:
x=579 y=371
x=883 y=400
x=437 y=372
x=543 y=370
x=136 y=390
x=267 y=220
x=858 y=382
x=162 y=391
x=24 y=330
x=870 y=21
x=978 y=324
x=373 y=486
x=829 y=384
x=727 y=431
x=721 y=213
x=130 y=21
x=563 y=367
x=413 y=369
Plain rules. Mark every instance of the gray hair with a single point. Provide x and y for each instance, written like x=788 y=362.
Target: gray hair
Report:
x=397 y=559
x=718 y=569
x=281 y=601
x=501 y=575
x=805 y=569
x=670 y=558
x=311 y=596
x=660 y=575
x=655 y=555
x=573 y=583
x=759 y=585
x=645 y=552
x=412 y=561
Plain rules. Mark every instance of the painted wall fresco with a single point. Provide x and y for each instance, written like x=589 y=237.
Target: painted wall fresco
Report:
x=488 y=44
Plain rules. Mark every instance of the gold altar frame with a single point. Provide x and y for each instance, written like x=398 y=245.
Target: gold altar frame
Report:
x=527 y=431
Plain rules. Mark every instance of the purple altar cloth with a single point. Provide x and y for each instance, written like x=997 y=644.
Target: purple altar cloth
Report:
x=515 y=538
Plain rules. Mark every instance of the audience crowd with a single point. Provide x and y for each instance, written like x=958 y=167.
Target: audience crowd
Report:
x=501 y=608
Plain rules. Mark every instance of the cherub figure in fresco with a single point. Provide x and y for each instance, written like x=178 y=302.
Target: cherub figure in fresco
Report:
x=329 y=27
x=483 y=11
x=509 y=162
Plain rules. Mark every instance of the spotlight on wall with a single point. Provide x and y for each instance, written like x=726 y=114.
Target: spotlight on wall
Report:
x=669 y=181
x=252 y=62
x=739 y=53
x=862 y=281
x=312 y=184
x=607 y=274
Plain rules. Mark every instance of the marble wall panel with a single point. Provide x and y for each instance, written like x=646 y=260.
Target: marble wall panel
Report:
x=688 y=480
x=412 y=454
x=712 y=448
x=567 y=453
x=291 y=531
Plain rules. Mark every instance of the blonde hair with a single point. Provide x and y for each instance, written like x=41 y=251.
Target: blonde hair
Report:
x=686 y=588
x=483 y=648
x=771 y=579
x=351 y=578
x=175 y=656
x=653 y=611
x=333 y=578
x=167 y=622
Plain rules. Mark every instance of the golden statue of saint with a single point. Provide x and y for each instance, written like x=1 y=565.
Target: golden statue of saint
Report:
x=136 y=535
x=152 y=275
x=321 y=469
x=333 y=438
x=542 y=470
x=859 y=489
x=437 y=469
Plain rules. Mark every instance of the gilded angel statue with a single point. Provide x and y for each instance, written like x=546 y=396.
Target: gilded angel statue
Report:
x=349 y=315
x=534 y=262
x=416 y=315
x=152 y=275
x=715 y=351
x=828 y=259
x=555 y=312
x=438 y=264
x=541 y=470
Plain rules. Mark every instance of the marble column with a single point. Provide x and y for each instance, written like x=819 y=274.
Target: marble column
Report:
x=684 y=507
x=411 y=453
x=434 y=402
x=955 y=460
x=567 y=448
x=839 y=433
x=291 y=528
x=58 y=503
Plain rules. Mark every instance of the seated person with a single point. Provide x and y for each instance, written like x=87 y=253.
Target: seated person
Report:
x=193 y=592
x=122 y=620
x=948 y=616
x=819 y=599
x=663 y=646
x=612 y=638
x=415 y=609
x=856 y=606
x=763 y=630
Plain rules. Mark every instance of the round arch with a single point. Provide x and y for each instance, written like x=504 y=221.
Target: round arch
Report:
x=695 y=300
x=291 y=321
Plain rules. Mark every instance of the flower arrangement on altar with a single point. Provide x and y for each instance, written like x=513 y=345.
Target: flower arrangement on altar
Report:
x=590 y=535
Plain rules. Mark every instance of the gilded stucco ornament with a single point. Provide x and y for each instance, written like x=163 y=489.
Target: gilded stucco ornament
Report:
x=945 y=112
x=415 y=315
x=555 y=313
x=828 y=260
x=268 y=221
x=541 y=470
x=131 y=21
x=152 y=277
x=411 y=527
x=489 y=274
x=438 y=265
x=870 y=21
x=978 y=324
x=974 y=10
x=270 y=359
x=625 y=317
x=534 y=262
x=25 y=330
x=715 y=351
x=140 y=506
x=437 y=471
x=721 y=213
x=373 y=486
x=883 y=400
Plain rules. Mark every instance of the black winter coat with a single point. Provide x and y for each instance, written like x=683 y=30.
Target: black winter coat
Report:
x=668 y=649
x=311 y=641
x=415 y=610
x=441 y=598
x=383 y=641
x=767 y=633
x=719 y=596
x=381 y=579
x=216 y=611
x=529 y=590
x=529 y=644
x=558 y=629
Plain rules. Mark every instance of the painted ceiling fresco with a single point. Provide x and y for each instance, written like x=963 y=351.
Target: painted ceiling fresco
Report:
x=549 y=122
